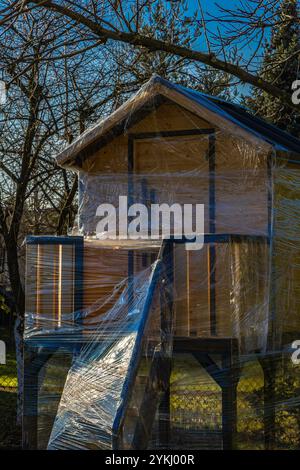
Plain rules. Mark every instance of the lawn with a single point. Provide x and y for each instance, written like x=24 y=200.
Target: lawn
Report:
x=196 y=404
x=8 y=372
x=10 y=433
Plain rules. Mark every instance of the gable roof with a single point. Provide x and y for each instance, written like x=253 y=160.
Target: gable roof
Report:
x=227 y=116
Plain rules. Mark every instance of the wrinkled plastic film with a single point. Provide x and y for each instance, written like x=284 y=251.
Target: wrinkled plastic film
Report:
x=99 y=346
x=98 y=375
x=177 y=171
x=200 y=358
x=129 y=329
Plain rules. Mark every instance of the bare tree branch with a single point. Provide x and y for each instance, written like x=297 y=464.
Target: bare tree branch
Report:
x=153 y=44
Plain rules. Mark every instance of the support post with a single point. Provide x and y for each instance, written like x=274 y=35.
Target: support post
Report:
x=229 y=410
x=231 y=376
x=164 y=426
x=33 y=363
x=269 y=367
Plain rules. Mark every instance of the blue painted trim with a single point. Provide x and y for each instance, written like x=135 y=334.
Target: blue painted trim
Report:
x=52 y=240
x=130 y=190
x=212 y=230
x=78 y=283
x=179 y=133
x=134 y=362
x=223 y=238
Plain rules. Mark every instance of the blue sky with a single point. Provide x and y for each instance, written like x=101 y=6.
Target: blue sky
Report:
x=210 y=7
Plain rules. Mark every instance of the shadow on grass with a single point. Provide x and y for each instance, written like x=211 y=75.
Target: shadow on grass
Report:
x=10 y=433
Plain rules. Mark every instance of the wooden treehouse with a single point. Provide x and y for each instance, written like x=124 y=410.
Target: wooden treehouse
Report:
x=120 y=332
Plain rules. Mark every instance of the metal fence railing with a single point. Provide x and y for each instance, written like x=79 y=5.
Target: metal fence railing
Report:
x=196 y=409
x=196 y=406
x=10 y=433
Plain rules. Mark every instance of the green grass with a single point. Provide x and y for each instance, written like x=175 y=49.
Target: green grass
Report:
x=195 y=401
x=8 y=372
x=10 y=433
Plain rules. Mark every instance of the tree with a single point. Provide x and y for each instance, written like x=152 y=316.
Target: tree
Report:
x=136 y=64
x=119 y=21
x=160 y=21
x=56 y=86
x=280 y=66
x=49 y=100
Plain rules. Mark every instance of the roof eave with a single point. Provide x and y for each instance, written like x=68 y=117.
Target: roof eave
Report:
x=67 y=158
x=69 y=154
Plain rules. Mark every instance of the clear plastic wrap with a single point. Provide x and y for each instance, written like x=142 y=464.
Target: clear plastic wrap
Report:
x=141 y=342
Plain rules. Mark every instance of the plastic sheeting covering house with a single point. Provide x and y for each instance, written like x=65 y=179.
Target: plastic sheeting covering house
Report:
x=147 y=342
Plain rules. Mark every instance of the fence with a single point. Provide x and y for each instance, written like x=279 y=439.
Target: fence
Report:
x=8 y=371
x=10 y=434
x=196 y=407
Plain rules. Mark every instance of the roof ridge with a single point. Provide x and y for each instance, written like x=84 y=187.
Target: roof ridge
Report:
x=212 y=107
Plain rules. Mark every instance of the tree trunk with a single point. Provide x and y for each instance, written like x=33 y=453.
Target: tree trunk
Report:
x=66 y=209
x=18 y=293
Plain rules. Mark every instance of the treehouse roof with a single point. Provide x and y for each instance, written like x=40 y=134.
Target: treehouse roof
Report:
x=227 y=116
